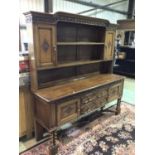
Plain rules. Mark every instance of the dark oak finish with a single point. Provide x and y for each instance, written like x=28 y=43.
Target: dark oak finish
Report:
x=71 y=59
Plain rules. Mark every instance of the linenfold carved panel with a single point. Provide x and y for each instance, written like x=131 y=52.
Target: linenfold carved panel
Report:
x=93 y=100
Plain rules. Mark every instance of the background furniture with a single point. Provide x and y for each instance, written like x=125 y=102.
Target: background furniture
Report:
x=125 y=57
x=71 y=61
x=25 y=112
x=25 y=100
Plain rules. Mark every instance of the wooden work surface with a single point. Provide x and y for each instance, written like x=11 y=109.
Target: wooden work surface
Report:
x=77 y=86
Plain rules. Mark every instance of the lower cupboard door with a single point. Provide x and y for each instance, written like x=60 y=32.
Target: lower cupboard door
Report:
x=68 y=111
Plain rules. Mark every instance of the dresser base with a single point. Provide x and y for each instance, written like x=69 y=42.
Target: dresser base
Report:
x=53 y=147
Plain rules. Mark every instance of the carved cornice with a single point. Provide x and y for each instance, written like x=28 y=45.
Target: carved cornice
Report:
x=68 y=17
x=112 y=27
x=37 y=17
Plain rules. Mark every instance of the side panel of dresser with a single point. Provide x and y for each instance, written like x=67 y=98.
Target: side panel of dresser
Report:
x=52 y=115
x=115 y=91
x=42 y=49
x=43 y=117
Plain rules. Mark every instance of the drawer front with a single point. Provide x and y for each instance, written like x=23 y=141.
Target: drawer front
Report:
x=115 y=91
x=67 y=111
x=93 y=100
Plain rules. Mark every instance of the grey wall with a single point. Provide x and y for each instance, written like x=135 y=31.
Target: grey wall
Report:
x=62 y=5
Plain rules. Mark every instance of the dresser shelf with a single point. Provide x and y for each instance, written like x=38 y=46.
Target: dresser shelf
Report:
x=79 y=43
x=69 y=64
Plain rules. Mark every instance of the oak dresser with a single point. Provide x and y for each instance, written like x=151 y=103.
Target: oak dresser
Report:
x=71 y=61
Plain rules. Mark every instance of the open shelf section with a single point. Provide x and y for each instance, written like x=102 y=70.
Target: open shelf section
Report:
x=80 y=43
x=75 y=63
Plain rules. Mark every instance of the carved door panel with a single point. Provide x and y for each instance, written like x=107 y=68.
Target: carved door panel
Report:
x=109 y=45
x=68 y=111
x=46 y=46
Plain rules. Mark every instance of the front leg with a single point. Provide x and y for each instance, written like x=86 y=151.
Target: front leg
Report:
x=39 y=130
x=118 y=107
x=53 y=148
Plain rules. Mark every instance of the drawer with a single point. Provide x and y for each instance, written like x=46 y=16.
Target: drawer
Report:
x=68 y=111
x=115 y=91
x=93 y=100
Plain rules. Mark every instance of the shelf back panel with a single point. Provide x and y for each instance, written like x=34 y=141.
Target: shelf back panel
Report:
x=67 y=54
x=66 y=32
x=55 y=74
x=62 y=74
x=70 y=32
x=87 y=69
x=74 y=53
x=89 y=52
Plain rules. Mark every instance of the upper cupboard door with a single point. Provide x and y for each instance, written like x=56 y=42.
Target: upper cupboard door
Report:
x=109 y=45
x=46 y=48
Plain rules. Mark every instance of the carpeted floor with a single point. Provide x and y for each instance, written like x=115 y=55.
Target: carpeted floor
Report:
x=105 y=134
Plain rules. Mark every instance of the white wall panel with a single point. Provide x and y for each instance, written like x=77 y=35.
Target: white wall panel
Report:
x=25 y=6
x=30 y=5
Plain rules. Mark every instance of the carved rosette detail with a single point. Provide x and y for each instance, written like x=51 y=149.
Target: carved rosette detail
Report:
x=45 y=45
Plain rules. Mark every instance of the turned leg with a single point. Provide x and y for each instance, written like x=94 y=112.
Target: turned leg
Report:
x=53 y=148
x=39 y=130
x=102 y=109
x=118 y=107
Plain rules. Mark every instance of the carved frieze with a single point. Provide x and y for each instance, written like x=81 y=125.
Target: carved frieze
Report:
x=37 y=17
